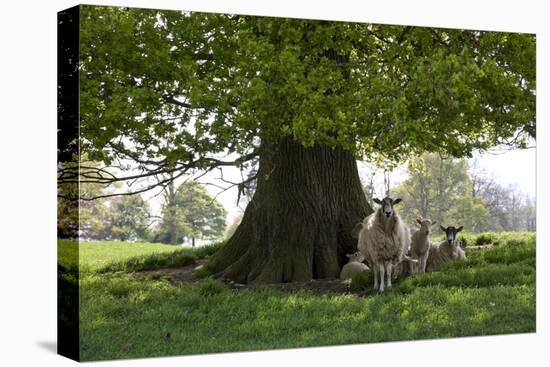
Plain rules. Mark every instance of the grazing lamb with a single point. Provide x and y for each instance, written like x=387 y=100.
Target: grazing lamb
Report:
x=447 y=251
x=420 y=244
x=384 y=240
x=354 y=266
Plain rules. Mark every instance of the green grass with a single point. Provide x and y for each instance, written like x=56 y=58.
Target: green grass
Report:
x=67 y=254
x=105 y=254
x=495 y=238
x=112 y=256
x=493 y=292
x=511 y=263
x=151 y=262
x=126 y=318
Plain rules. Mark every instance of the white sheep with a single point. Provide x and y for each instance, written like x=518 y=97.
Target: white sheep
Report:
x=420 y=244
x=448 y=250
x=355 y=265
x=384 y=239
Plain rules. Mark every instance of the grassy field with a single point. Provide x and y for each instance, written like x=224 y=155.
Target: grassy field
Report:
x=112 y=256
x=122 y=316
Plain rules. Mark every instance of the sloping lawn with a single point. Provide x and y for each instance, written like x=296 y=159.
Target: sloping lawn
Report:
x=122 y=316
x=109 y=256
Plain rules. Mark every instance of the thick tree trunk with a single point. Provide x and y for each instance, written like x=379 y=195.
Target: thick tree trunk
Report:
x=193 y=242
x=298 y=224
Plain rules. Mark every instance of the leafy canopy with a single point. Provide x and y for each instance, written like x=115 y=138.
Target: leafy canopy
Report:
x=173 y=89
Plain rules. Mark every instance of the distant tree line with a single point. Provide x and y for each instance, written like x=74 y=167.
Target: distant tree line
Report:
x=454 y=193
x=444 y=189
x=188 y=213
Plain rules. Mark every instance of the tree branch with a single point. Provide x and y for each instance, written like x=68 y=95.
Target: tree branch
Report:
x=101 y=175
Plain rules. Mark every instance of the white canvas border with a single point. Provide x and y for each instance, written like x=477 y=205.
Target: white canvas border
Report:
x=28 y=135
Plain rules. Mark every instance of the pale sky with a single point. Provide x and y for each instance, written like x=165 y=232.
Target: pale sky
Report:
x=513 y=167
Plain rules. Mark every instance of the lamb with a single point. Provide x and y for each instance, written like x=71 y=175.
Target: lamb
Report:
x=420 y=244
x=447 y=251
x=384 y=239
x=354 y=266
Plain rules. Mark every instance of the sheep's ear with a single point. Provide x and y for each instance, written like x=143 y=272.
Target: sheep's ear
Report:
x=443 y=228
x=434 y=222
x=377 y=201
x=349 y=256
x=459 y=229
x=397 y=201
x=418 y=221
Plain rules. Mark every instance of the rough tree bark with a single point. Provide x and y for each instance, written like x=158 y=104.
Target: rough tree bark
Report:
x=298 y=224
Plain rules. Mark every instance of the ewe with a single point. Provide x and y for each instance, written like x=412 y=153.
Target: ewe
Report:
x=384 y=240
x=420 y=244
x=354 y=266
x=447 y=251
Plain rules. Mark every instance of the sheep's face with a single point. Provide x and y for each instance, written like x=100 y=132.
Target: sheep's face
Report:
x=387 y=205
x=426 y=224
x=356 y=256
x=451 y=233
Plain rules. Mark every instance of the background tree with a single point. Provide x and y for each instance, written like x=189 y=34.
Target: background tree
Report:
x=509 y=209
x=530 y=214
x=171 y=227
x=83 y=217
x=448 y=191
x=369 y=188
x=122 y=218
x=128 y=218
x=174 y=92
x=190 y=213
x=441 y=189
x=469 y=212
x=67 y=211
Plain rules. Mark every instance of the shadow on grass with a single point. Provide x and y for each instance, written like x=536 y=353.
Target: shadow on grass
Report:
x=154 y=261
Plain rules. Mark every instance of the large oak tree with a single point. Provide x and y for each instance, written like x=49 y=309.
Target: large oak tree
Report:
x=172 y=91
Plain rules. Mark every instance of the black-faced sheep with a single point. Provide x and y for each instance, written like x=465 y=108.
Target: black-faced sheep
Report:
x=447 y=251
x=384 y=239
